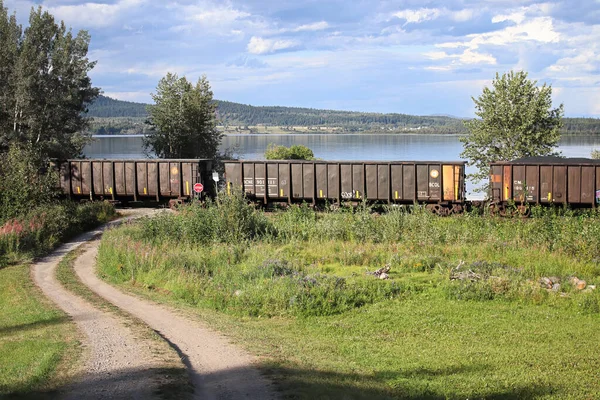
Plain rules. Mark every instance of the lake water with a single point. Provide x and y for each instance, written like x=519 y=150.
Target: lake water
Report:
x=384 y=147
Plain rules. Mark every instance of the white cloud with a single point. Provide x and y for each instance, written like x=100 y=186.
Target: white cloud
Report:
x=584 y=61
x=516 y=17
x=93 y=14
x=468 y=57
x=539 y=30
x=463 y=15
x=417 y=16
x=258 y=45
x=427 y=14
x=215 y=16
x=317 y=26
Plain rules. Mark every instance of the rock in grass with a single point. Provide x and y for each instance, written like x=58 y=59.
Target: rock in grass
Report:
x=546 y=283
x=383 y=275
x=556 y=287
x=577 y=283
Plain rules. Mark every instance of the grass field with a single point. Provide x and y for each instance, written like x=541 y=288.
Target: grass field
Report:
x=38 y=343
x=292 y=288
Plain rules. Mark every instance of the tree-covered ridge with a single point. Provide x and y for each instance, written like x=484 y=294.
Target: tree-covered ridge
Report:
x=241 y=114
x=115 y=116
x=106 y=107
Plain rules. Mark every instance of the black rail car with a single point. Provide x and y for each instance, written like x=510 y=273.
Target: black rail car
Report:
x=545 y=180
x=134 y=180
x=440 y=185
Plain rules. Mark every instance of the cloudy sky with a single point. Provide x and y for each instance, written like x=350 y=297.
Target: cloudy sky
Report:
x=411 y=56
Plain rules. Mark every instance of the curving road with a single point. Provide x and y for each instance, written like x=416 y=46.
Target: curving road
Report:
x=217 y=369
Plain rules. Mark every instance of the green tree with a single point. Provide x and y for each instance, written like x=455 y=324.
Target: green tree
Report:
x=10 y=38
x=184 y=119
x=596 y=154
x=294 y=152
x=515 y=119
x=23 y=185
x=44 y=84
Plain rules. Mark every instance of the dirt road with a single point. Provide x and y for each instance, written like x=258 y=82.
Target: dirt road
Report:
x=218 y=369
x=123 y=365
x=120 y=363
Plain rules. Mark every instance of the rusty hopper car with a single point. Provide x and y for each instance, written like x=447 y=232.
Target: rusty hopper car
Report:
x=546 y=180
x=440 y=185
x=134 y=180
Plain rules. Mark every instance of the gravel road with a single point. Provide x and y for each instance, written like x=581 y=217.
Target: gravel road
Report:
x=120 y=363
x=218 y=369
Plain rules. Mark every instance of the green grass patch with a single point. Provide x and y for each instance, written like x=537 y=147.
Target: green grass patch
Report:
x=292 y=286
x=38 y=343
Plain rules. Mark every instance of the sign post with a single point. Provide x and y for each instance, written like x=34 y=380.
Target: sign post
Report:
x=215 y=177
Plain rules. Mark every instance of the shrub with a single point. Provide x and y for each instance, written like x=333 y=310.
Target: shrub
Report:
x=23 y=184
x=43 y=228
x=294 y=152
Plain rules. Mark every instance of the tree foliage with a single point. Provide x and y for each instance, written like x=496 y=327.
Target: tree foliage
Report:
x=515 y=119
x=294 y=152
x=184 y=119
x=596 y=154
x=44 y=85
x=23 y=185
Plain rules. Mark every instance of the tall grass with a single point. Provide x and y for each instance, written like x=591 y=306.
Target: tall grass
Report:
x=43 y=228
x=229 y=256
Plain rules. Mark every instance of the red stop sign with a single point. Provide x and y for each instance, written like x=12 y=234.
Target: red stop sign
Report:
x=198 y=187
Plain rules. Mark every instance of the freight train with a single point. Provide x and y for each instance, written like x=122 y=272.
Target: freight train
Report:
x=438 y=185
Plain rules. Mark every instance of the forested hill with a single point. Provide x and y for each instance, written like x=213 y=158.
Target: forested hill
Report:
x=241 y=114
x=116 y=116
x=106 y=107
x=245 y=115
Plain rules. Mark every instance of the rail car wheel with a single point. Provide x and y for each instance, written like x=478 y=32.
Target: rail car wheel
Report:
x=174 y=203
x=456 y=209
x=493 y=208
x=434 y=208
x=504 y=211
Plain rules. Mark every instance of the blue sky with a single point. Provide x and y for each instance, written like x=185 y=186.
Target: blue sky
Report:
x=414 y=57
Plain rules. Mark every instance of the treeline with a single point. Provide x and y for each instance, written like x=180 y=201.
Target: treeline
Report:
x=583 y=126
x=106 y=107
x=241 y=114
x=124 y=117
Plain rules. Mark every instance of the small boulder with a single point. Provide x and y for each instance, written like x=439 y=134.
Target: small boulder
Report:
x=383 y=275
x=556 y=287
x=554 y=279
x=546 y=282
x=581 y=284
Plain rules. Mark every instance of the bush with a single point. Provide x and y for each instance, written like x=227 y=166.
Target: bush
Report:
x=43 y=228
x=294 y=152
x=228 y=219
x=23 y=184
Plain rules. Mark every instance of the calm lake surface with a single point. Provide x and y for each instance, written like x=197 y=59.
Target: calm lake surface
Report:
x=384 y=147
